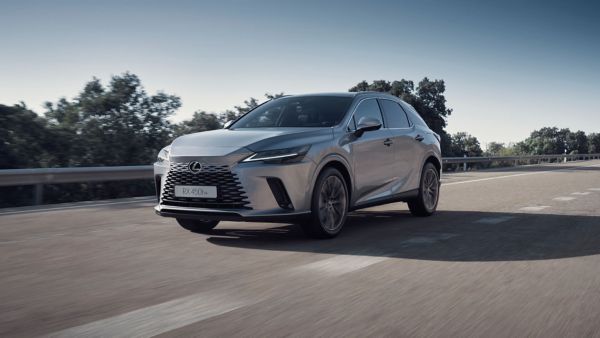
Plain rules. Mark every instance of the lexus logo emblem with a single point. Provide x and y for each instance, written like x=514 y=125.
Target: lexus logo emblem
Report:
x=195 y=167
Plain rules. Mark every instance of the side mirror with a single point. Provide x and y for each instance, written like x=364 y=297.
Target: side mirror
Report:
x=367 y=124
x=227 y=124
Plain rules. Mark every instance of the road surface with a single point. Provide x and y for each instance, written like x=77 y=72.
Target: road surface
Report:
x=511 y=252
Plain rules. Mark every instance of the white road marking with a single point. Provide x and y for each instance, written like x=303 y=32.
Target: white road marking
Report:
x=581 y=193
x=594 y=189
x=494 y=220
x=496 y=178
x=83 y=205
x=157 y=319
x=536 y=208
x=341 y=264
x=430 y=239
x=523 y=174
x=563 y=198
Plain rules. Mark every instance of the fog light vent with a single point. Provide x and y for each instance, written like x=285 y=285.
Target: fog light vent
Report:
x=280 y=194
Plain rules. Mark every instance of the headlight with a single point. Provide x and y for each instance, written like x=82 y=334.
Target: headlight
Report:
x=279 y=155
x=163 y=154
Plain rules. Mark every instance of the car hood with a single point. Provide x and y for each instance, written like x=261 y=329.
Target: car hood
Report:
x=228 y=141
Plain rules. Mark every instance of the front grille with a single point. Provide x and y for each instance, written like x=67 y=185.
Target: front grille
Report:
x=230 y=194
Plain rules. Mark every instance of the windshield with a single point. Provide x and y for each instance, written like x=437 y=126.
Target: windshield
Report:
x=298 y=111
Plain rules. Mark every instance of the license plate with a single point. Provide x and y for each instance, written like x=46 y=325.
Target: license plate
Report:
x=196 y=191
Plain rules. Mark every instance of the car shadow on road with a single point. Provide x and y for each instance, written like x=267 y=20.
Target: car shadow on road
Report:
x=446 y=236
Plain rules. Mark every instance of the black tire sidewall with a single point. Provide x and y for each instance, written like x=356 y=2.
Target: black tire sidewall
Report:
x=428 y=166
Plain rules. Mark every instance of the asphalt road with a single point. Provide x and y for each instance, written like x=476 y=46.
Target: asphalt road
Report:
x=512 y=252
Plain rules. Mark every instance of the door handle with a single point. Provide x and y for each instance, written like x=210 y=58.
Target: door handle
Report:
x=419 y=137
x=388 y=142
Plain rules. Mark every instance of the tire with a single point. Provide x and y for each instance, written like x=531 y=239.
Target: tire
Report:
x=429 y=193
x=329 y=205
x=197 y=226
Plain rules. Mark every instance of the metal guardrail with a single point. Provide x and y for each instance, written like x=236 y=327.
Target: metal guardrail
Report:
x=540 y=158
x=39 y=177
x=516 y=160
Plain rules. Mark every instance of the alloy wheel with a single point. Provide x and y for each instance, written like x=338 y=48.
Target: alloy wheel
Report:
x=431 y=188
x=332 y=204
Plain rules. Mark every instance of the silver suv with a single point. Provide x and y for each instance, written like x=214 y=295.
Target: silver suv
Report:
x=307 y=159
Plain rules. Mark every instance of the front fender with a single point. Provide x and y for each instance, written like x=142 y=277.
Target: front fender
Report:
x=332 y=158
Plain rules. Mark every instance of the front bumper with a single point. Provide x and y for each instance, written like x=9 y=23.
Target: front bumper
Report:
x=227 y=215
x=261 y=202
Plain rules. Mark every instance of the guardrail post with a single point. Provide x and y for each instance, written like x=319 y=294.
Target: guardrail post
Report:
x=38 y=194
x=465 y=164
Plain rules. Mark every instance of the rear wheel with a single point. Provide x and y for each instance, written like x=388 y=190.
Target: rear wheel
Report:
x=429 y=192
x=197 y=226
x=329 y=206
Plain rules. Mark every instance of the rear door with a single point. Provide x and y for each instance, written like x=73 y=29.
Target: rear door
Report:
x=407 y=149
x=373 y=156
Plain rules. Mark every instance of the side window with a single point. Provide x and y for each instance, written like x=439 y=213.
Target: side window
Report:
x=367 y=108
x=413 y=115
x=395 y=117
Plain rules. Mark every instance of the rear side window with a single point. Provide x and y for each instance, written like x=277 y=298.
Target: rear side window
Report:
x=413 y=116
x=395 y=117
x=367 y=108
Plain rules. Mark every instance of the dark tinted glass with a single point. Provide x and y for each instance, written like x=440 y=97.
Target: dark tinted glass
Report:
x=299 y=111
x=395 y=117
x=367 y=108
x=413 y=116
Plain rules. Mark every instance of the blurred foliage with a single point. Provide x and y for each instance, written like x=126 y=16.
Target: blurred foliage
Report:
x=24 y=137
x=115 y=125
x=594 y=143
x=548 y=141
x=119 y=124
x=463 y=143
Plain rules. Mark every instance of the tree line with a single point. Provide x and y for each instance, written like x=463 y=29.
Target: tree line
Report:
x=120 y=123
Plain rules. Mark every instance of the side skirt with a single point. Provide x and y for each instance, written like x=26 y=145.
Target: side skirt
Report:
x=401 y=197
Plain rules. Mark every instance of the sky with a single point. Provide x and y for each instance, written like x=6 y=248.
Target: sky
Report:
x=509 y=66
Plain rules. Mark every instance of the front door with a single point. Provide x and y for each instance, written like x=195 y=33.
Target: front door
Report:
x=373 y=156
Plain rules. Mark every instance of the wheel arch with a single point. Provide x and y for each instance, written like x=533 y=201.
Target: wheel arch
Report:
x=339 y=163
x=436 y=163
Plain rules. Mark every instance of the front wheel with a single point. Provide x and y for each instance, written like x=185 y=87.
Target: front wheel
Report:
x=197 y=226
x=429 y=193
x=329 y=206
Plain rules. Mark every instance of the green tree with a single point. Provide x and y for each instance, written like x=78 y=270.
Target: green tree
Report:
x=64 y=124
x=551 y=140
x=201 y=121
x=115 y=125
x=23 y=138
x=495 y=149
x=577 y=142
x=465 y=144
x=594 y=143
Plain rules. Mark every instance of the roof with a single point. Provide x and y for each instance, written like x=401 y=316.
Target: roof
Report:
x=346 y=94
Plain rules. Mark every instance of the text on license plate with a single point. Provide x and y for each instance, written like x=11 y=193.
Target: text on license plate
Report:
x=196 y=191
